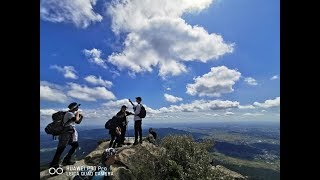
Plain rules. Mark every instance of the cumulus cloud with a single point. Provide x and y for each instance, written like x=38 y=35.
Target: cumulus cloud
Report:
x=218 y=81
x=157 y=36
x=171 y=98
x=67 y=71
x=246 y=107
x=269 y=103
x=52 y=92
x=274 y=77
x=94 y=56
x=168 y=89
x=117 y=104
x=199 y=105
x=252 y=114
x=98 y=81
x=251 y=81
x=47 y=112
x=89 y=94
x=78 y=12
x=195 y=106
x=228 y=113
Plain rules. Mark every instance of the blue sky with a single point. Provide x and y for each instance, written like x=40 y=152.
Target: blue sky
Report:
x=218 y=60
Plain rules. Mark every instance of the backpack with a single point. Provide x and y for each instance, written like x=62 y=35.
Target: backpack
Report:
x=143 y=112
x=111 y=123
x=56 y=127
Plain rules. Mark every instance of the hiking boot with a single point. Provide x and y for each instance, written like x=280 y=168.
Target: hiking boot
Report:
x=65 y=163
x=135 y=143
x=119 y=145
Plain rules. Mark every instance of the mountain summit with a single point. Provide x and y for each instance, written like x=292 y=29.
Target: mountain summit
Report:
x=176 y=157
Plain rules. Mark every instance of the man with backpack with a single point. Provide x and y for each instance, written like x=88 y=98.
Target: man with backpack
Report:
x=122 y=116
x=113 y=125
x=69 y=135
x=139 y=113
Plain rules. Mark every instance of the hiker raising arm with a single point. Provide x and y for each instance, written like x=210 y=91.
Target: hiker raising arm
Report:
x=137 y=121
x=131 y=102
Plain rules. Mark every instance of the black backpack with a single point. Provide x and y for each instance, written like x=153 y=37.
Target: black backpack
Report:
x=111 y=123
x=56 y=127
x=143 y=112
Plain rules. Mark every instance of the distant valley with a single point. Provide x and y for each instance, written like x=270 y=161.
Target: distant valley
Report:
x=251 y=149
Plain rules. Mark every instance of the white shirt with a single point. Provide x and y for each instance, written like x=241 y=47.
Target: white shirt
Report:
x=68 y=116
x=136 y=112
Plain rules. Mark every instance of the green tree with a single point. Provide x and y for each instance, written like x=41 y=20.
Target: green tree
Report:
x=178 y=157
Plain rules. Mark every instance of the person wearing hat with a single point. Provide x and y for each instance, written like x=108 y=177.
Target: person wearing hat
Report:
x=103 y=171
x=69 y=136
x=137 y=121
x=122 y=116
x=109 y=156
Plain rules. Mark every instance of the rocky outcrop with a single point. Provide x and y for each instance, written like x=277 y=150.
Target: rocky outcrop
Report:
x=93 y=159
x=125 y=162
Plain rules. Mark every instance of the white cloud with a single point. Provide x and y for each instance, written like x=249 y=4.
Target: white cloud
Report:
x=252 y=114
x=98 y=81
x=67 y=71
x=269 y=103
x=94 y=56
x=157 y=36
x=78 y=12
x=171 y=98
x=195 y=106
x=89 y=94
x=251 y=81
x=117 y=104
x=47 y=112
x=246 y=107
x=218 y=81
x=228 y=113
x=114 y=73
x=168 y=89
x=200 y=105
x=274 y=77
x=51 y=92
x=214 y=115
x=263 y=110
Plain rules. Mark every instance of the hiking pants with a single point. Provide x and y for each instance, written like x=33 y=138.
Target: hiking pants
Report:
x=123 y=134
x=137 y=130
x=115 y=139
x=59 y=151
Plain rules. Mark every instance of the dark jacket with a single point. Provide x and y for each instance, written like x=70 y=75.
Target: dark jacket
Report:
x=116 y=123
x=122 y=117
x=154 y=134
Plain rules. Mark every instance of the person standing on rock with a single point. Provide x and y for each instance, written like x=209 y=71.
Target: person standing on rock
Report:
x=122 y=116
x=137 y=121
x=69 y=136
x=115 y=132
